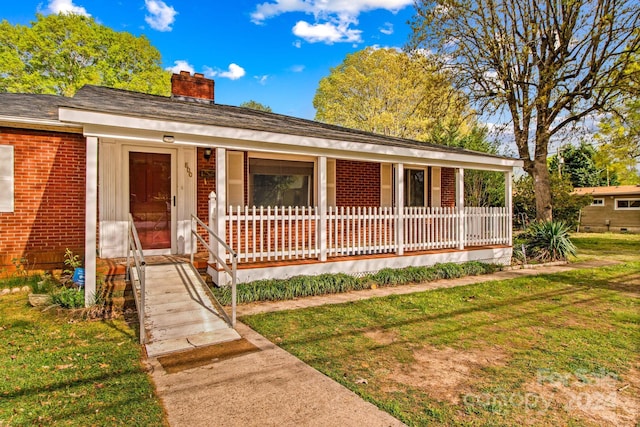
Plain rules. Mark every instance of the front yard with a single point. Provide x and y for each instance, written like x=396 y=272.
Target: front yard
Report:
x=549 y=350
x=56 y=369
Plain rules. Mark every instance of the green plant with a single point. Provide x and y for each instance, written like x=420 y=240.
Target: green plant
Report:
x=45 y=285
x=72 y=260
x=68 y=298
x=549 y=241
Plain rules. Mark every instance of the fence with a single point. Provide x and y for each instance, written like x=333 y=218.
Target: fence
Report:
x=261 y=234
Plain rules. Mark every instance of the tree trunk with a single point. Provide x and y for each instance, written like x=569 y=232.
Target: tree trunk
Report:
x=542 y=188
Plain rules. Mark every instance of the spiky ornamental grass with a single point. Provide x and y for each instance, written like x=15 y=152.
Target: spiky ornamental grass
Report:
x=549 y=241
x=305 y=286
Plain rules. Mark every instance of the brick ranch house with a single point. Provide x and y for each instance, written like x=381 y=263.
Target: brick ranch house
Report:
x=290 y=196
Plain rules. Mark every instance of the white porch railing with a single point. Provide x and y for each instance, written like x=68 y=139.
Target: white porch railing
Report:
x=291 y=233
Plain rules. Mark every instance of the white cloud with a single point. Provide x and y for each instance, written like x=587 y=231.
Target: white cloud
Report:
x=234 y=72
x=297 y=68
x=325 y=8
x=387 y=28
x=329 y=32
x=161 y=16
x=66 y=7
x=261 y=79
x=297 y=43
x=181 y=65
x=332 y=18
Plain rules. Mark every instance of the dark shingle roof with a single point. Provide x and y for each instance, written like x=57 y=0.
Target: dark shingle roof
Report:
x=32 y=106
x=134 y=104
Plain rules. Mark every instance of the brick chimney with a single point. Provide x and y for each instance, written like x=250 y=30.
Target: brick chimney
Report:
x=186 y=87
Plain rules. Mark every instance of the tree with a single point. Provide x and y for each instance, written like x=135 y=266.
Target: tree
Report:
x=481 y=188
x=566 y=205
x=390 y=93
x=254 y=105
x=58 y=54
x=548 y=64
x=579 y=166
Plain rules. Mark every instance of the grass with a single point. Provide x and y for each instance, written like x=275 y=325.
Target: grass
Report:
x=619 y=247
x=497 y=353
x=58 y=370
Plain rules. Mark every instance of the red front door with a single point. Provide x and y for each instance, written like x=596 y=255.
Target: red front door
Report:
x=150 y=198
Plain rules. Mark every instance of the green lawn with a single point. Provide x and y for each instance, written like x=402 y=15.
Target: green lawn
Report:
x=557 y=349
x=56 y=369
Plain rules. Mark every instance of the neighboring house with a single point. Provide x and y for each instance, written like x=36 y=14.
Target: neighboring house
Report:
x=612 y=209
x=73 y=169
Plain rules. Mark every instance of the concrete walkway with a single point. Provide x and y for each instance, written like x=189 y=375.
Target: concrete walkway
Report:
x=270 y=387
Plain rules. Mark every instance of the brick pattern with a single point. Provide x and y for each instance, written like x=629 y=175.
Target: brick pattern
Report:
x=448 y=187
x=357 y=183
x=49 y=185
x=196 y=86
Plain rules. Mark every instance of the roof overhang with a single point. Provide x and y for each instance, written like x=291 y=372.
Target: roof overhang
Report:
x=39 y=124
x=107 y=125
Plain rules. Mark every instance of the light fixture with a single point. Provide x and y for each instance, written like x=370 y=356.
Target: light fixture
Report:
x=207 y=153
x=168 y=138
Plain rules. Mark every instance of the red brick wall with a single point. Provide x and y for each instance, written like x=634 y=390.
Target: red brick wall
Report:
x=49 y=185
x=357 y=183
x=204 y=185
x=448 y=187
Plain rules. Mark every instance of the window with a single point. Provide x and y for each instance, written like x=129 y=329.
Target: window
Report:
x=414 y=187
x=6 y=178
x=280 y=182
x=597 y=202
x=631 y=204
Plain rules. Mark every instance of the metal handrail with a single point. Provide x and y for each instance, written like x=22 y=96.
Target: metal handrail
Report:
x=135 y=247
x=232 y=271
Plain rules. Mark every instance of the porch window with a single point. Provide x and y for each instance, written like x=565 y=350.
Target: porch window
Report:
x=414 y=186
x=280 y=182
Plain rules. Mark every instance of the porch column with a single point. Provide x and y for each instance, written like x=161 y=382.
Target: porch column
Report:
x=460 y=207
x=399 y=190
x=90 y=221
x=220 y=206
x=508 y=203
x=322 y=206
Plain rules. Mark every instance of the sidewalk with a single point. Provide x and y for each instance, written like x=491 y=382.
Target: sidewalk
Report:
x=270 y=387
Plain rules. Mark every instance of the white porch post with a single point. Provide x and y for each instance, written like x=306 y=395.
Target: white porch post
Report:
x=460 y=207
x=399 y=190
x=508 y=203
x=322 y=206
x=220 y=227
x=90 y=221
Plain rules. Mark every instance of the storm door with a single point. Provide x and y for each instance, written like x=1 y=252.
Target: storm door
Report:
x=151 y=198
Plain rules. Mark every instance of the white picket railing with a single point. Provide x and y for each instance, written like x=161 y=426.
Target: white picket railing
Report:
x=487 y=226
x=291 y=233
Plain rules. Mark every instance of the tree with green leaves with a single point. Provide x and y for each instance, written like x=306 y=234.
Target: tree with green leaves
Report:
x=546 y=64
x=389 y=93
x=578 y=165
x=481 y=188
x=254 y=105
x=58 y=54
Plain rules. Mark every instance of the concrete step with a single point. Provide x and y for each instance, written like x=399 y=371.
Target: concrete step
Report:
x=162 y=347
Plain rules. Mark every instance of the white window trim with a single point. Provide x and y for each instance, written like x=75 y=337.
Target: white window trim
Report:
x=7 y=199
x=630 y=199
x=601 y=199
x=286 y=157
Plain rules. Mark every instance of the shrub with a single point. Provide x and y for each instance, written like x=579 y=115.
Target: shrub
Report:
x=304 y=286
x=548 y=241
x=68 y=298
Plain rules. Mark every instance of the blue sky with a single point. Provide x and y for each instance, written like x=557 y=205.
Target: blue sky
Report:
x=272 y=51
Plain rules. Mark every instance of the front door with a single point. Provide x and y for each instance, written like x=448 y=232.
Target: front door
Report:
x=152 y=199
